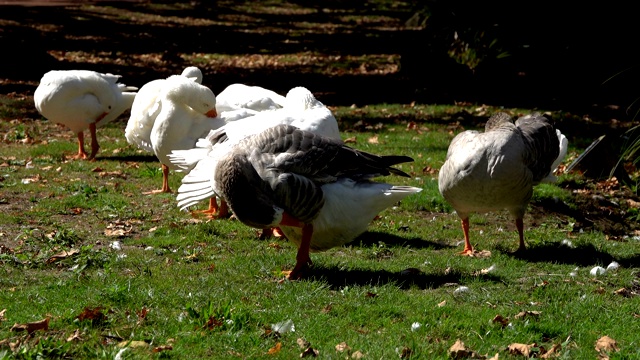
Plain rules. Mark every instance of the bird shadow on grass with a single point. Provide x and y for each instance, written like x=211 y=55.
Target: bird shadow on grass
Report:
x=374 y=238
x=583 y=255
x=130 y=158
x=339 y=277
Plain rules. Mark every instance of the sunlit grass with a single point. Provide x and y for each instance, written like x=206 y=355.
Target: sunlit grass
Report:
x=211 y=288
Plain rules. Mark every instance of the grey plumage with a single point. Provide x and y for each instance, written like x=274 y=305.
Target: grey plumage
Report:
x=284 y=167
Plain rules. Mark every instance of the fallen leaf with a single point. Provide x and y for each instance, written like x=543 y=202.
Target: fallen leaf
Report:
x=405 y=353
x=162 y=348
x=142 y=314
x=500 y=320
x=520 y=349
x=522 y=314
x=32 y=327
x=553 y=352
x=351 y=140
x=2 y=315
x=132 y=344
x=607 y=344
x=62 y=255
x=373 y=140
x=302 y=343
x=75 y=336
x=310 y=352
x=624 y=292
x=275 y=349
x=343 y=347
x=442 y=303
x=93 y=314
x=357 y=355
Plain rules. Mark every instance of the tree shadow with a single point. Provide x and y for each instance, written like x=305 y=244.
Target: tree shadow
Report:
x=583 y=255
x=338 y=277
x=131 y=158
x=374 y=238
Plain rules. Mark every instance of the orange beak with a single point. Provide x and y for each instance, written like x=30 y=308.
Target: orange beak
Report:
x=212 y=113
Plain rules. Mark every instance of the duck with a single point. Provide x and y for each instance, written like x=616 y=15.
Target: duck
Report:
x=81 y=100
x=241 y=96
x=147 y=106
x=301 y=109
x=187 y=112
x=317 y=190
x=497 y=169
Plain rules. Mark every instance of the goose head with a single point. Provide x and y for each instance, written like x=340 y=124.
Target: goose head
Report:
x=199 y=97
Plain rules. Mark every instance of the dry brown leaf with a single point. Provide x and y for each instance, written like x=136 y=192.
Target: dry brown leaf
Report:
x=500 y=320
x=480 y=254
x=32 y=327
x=93 y=314
x=520 y=349
x=442 y=303
x=2 y=315
x=142 y=314
x=343 y=347
x=623 y=292
x=275 y=349
x=310 y=352
x=302 y=343
x=62 y=255
x=406 y=353
x=75 y=336
x=117 y=173
x=459 y=351
x=351 y=140
x=607 y=344
x=357 y=355
x=162 y=348
x=133 y=344
x=373 y=140
x=522 y=314
x=553 y=352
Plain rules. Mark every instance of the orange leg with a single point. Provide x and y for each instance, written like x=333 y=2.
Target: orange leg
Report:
x=81 y=153
x=520 y=227
x=94 y=141
x=303 y=260
x=468 y=249
x=165 y=182
x=215 y=212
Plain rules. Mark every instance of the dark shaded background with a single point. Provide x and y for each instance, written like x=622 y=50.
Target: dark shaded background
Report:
x=560 y=54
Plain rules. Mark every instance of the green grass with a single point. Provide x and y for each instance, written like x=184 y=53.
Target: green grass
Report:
x=212 y=289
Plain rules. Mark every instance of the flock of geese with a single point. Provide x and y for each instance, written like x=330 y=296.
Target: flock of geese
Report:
x=278 y=163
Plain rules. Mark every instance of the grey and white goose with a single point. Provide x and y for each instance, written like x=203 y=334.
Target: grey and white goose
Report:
x=498 y=168
x=318 y=191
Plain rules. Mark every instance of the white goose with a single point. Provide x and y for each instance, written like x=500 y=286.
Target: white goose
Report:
x=146 y=108
x=498 y=169
x=316 y=189
x=80 y=100
x=241 y=96
x=301 y=109
x=187 y=113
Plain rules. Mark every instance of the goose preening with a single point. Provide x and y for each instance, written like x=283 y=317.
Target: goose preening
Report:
x=146 y=108
x=498 y=168
x=82 y=99
x=301 y=110
x=241 y=96
x=316 y=189
x=186 y=113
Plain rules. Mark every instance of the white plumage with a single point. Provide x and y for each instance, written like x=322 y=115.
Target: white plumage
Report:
x=81 y=100
x=497 y=169
x=187 y=112
x=241 y=96
x=146 y=108
x=301 y=110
